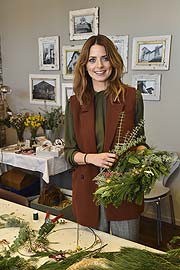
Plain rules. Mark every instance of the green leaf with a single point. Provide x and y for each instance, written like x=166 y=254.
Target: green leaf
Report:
x=133 y=160
x=100 y=190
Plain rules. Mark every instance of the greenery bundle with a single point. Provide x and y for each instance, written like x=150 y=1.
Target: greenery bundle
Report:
x=25 y=232
x=16 y=263
x=134 y=173
x=126 y=258
x=53 y=118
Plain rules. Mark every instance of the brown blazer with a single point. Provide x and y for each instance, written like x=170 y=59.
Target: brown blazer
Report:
x=84 y=208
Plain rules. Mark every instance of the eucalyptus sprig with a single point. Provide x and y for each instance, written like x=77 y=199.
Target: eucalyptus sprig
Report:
x=131 y=139
x=25 y=232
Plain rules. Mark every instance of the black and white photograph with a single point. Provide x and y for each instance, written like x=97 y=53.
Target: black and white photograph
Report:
x=44 y=89
x=83 y=23
x=49 y=53
x=67 y=92
x=151 y=53
x=70 y=57
x=148 y=85
x=121 y=43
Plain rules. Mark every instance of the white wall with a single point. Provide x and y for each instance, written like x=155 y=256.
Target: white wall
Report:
x=23 y=21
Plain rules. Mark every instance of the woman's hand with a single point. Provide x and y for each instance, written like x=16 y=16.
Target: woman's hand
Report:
x=103 y=160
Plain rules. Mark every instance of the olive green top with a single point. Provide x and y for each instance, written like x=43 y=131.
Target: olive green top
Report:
x=100 y=112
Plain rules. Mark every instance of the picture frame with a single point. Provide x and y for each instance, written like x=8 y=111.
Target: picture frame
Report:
x=121 y=43
x=148 y=84
x=44 y=89
x=151 y=53
x=1 y=77
x=48 y=53
x=67 y=92
x=83 y=23
x=70 y=56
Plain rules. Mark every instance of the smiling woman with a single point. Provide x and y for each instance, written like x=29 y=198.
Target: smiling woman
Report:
x=108 y=109
x=99 y=67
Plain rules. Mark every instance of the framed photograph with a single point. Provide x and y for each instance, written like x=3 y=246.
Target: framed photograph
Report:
x=1 y=79
x=70 y=56
x=44 y=89
x=121 y=43
x=83 y=23
x=151 y=53
x=67 y=92
x=49 y=53
x=148 y=84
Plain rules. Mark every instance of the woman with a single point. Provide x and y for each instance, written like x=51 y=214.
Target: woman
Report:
x=91 y=128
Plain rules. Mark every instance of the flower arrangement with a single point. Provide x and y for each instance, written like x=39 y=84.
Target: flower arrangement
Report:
x=53 y=119
x=34 y=121
x=16 y=121
x=134 y=173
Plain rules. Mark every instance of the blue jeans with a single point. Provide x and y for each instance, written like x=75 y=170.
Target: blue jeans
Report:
x=127 y=229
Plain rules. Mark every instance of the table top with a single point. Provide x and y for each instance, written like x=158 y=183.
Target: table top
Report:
x=47 y=165
x=65 y=235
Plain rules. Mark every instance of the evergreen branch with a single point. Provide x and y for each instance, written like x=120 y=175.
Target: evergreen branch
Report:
x=15 y=263
x=126 y=258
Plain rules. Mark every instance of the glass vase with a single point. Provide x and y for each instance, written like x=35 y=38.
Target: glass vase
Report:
x=50 y=135
x=33 y=140
x=20 y=139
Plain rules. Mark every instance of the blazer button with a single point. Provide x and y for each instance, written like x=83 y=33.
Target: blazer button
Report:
x=82 y=176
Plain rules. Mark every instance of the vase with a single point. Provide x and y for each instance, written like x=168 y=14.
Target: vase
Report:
x=20 y=139
x=50 y=135
x=33 y=136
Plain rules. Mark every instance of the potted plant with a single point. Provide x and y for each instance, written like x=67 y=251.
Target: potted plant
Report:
x=53 y=119
x=34 y=121
x=16 y=121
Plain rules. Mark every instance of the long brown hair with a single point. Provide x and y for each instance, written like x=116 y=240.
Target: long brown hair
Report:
x=82 y=81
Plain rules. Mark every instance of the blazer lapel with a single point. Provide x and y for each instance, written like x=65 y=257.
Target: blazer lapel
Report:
x=87 y=120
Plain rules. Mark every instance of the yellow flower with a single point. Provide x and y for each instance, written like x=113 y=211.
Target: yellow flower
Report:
x=34 y=121
x=108 y=180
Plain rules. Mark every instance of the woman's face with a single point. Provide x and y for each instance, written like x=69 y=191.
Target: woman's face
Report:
x=98 y=67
